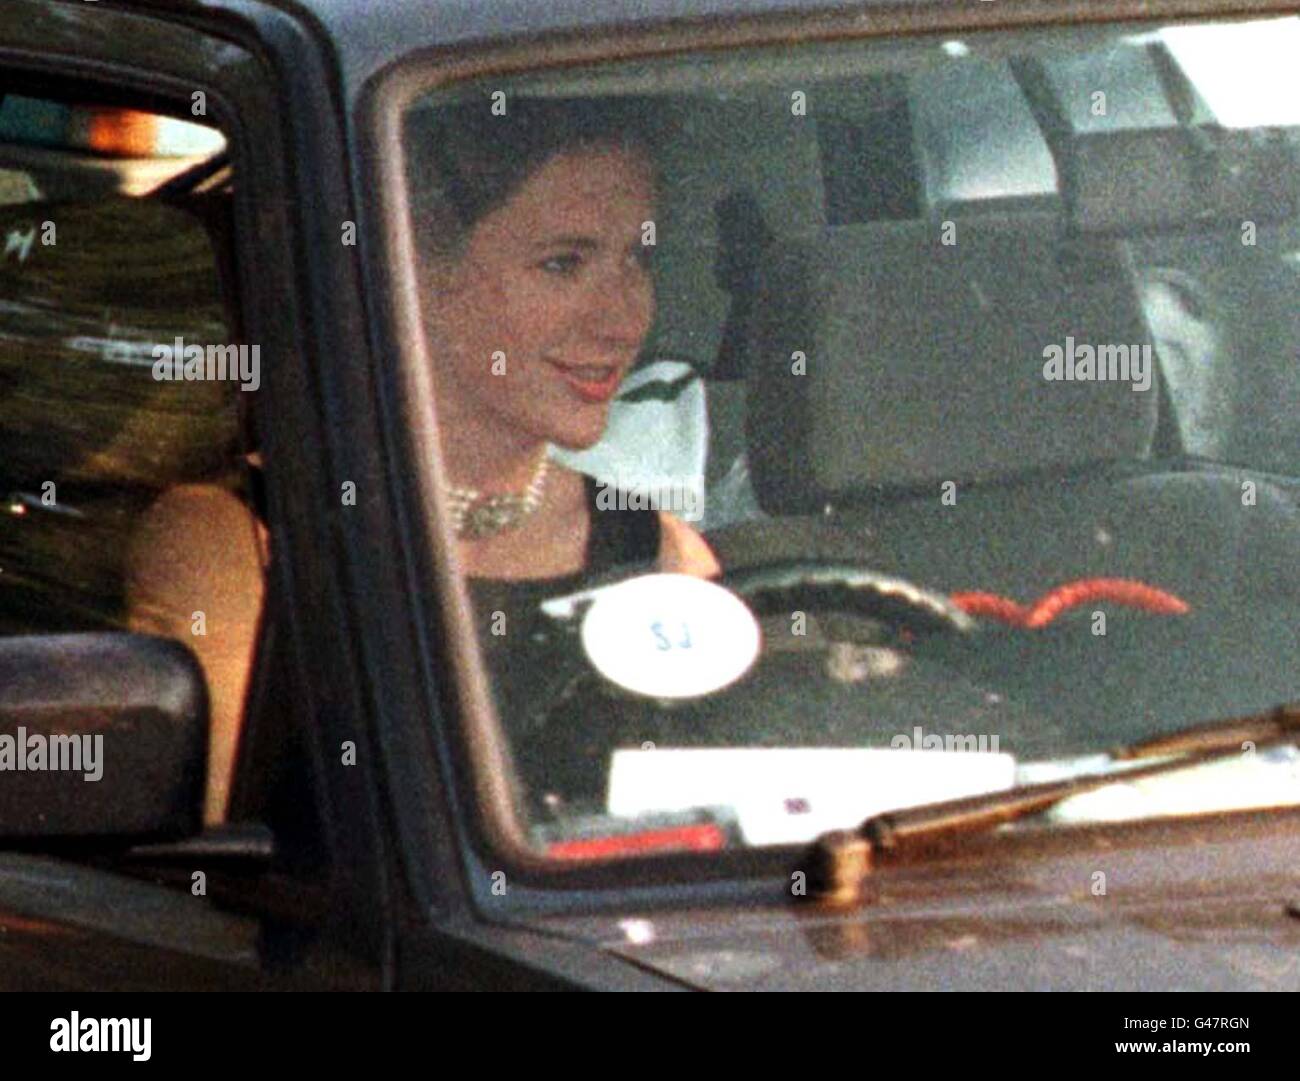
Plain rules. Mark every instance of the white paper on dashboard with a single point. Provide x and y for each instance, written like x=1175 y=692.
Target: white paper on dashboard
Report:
x=1269 y=777
x=790 y=795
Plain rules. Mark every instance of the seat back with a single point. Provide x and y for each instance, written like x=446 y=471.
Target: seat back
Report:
x=83 y=315
x=90 y=437
x=1210 y=219
x=885 y=359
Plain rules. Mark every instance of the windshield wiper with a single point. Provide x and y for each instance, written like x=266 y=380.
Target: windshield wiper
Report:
x=841 y=861
x=1232 y=734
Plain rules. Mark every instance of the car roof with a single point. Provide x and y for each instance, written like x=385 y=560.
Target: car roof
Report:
x=448 y=21
x=493 y=11
x=494 y=15
x=368 y=35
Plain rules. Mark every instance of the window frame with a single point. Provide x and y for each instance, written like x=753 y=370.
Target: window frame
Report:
x=493 y=838
x=155 y=61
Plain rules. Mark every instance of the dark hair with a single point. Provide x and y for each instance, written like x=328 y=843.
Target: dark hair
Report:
x=465 y=160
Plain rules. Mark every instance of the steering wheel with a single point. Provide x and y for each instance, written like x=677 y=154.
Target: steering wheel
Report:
x=602 y=716
x=789 y=585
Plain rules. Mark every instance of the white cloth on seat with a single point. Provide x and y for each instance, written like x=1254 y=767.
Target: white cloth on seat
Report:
x=655 y=445
x=732 y=499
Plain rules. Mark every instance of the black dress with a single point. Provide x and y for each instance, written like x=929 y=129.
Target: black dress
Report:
x=533 y=659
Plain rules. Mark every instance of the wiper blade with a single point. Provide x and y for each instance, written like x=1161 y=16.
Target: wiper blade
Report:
x=1235 y=733
x=841 y=861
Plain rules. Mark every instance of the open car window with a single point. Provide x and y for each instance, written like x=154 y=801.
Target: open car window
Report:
x=973 y=362
x=128 y=498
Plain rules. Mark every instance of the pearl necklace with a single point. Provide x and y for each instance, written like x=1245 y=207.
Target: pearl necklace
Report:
x=476 y=515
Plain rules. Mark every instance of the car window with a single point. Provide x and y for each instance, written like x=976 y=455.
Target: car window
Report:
x=127 y=393
x=971 y=363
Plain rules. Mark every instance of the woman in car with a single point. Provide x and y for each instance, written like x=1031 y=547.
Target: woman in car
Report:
x=537 y=309
x=538 y=299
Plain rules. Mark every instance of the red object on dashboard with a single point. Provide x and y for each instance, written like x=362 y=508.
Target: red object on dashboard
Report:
x=700 y=838
x=1069 y=595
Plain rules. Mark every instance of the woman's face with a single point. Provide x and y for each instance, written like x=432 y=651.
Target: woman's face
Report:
x=547 y=309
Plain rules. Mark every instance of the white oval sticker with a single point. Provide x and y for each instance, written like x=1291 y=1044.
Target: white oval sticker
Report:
x=670 y=636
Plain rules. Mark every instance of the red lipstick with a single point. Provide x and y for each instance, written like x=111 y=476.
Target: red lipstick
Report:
x=590 y=388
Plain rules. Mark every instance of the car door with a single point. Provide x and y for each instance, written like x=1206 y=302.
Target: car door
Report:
x=143 y=204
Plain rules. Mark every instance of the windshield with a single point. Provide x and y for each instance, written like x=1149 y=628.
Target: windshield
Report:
x=840 y=428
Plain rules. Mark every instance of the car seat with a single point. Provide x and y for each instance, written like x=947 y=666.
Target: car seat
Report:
x=82 y=410
x=924 y=366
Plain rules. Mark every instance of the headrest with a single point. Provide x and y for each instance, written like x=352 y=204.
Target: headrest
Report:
x=1178 y=178
x=83 y=314
x=924 y=362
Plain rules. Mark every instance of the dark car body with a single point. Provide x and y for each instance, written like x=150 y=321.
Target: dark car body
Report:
x=384 y=875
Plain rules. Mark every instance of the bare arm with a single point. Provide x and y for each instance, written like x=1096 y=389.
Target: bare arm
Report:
x=683 y=551
x=194 y=572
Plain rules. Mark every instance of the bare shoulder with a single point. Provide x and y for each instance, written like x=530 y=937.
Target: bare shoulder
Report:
x=202 y=519
x=186 y=504
x=195 y=543
x=683 y=550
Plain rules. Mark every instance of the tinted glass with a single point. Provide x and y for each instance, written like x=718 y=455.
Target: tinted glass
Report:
x=974 y=364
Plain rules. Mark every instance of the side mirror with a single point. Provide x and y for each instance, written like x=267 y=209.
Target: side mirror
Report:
x=101 y=735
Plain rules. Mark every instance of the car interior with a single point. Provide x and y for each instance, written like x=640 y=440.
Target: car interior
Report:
x=819 y=267
x=923 y=369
